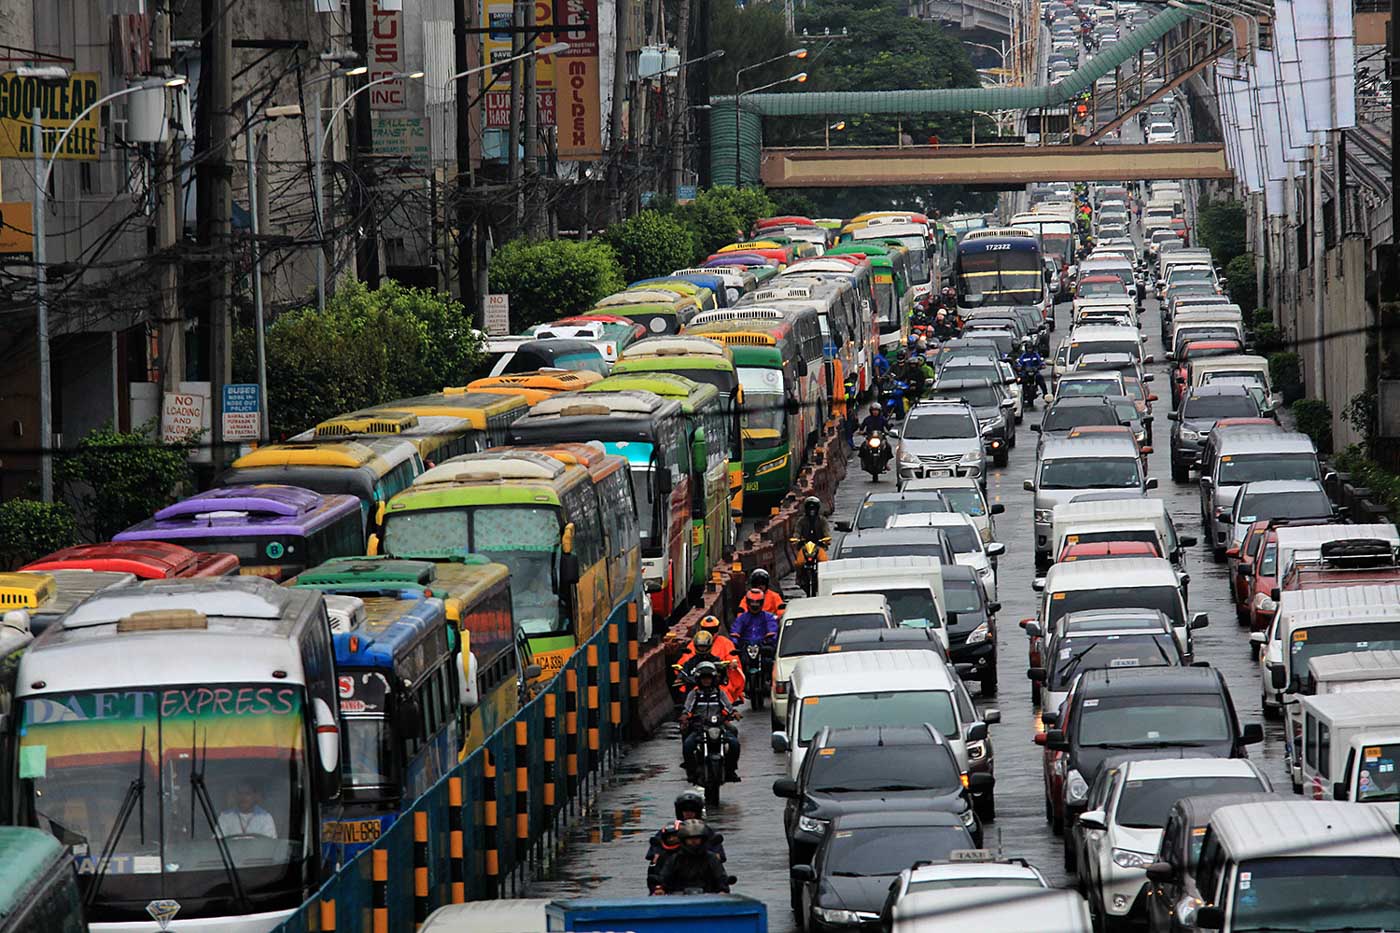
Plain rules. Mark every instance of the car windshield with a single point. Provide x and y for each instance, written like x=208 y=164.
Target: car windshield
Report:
x=982 y=396
x=1152 y=720
x=962 y=596
x=1378 y=779
x=1319 y=640
x=1256 y=506
x=880 y=708
x=876 y=513
x=1111 y=652
x=1072 y=388
x=1215 y=407
x=966 y=501
x=965 y=538
x=1146 y=804
x=888 y=850
x=1165 y=599
x=1181 y=276
x=1090 y=473
x=1235 y=469
x=1066 y=418
x=938 y=427
x=912 y=608
x=1101 y=289
x=1306 y=893
x=804 y=636
x=894 y=549
x=842 y=769
x=1131 y=347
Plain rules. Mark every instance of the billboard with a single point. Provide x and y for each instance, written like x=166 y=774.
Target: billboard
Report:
x=497 y=46
x=581 y=116
x=386 y=55
x=59 y=102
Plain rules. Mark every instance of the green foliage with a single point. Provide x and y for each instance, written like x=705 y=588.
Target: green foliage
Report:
x=788 y=201
x=1367 y=474
x=1220 y=227
x=1240 y=272
x=554 y=278
x=1361 y=413
x=367 y=347
x=712 y=220
x=1267 y=339
x=117 y=480
x=1286 y=374
x=651 y=243
x=748 y=204
x=1314 y=418
x=29 y=529
x=1262 y=316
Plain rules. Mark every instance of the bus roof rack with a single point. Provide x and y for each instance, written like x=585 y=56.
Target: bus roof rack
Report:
x=598 y=404
x=381 y=422
x=493 y=465
x=747 y=313
x=162 y=620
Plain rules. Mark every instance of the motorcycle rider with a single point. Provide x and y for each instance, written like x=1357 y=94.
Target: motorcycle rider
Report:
x=754 y=624
x=662 y=847
x=812 y=526
x=702 y=649
x=694 y=866
x=690 y=805
x=706 y=698
x=873 y=424
x=920 y=376
x=772 y=597
x=1030 y=361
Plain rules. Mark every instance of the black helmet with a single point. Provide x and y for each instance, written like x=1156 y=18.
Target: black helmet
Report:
x=706 y=668
x=760 y=579
x=689 y=801
x=811 y=505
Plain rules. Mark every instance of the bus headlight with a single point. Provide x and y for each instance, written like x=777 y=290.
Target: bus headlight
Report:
x=772 y=465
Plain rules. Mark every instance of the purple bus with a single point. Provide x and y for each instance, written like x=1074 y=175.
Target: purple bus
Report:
x=275 y=531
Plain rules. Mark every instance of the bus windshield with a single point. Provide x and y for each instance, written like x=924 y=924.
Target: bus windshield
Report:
x=158 y=774
x=524 y=538
x=762 y=416
x=1000 y=277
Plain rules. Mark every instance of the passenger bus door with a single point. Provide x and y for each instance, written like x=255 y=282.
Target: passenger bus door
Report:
x=704 y=547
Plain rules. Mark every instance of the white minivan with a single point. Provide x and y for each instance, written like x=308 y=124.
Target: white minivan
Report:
x=1351 y=747
x=805 y=626
x=913 y=587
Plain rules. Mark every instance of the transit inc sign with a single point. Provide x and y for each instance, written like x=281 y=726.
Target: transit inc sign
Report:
x=59 y=102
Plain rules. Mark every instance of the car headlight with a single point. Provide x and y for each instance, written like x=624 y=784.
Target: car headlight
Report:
x=979 y=634
x=972 y=456
x=1263 y=602
x=1127 y=858
x=827 y=915
x=1076 y=788
x=1042 y=515
x=907 y=459
x=969 y=818
x=810 y=824
x=1189 y=435
x=976 y=750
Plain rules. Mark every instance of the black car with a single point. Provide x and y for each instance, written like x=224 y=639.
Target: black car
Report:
x=845 y=886
x=972 y=624
x=1200 y=408
x=1076 y=411
x=1113 y=712
x=872 y=769
x=996 y=417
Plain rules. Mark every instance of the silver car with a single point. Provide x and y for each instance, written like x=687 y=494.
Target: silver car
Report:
x=1066 y=468
x=941 y=438
x=1240 y=455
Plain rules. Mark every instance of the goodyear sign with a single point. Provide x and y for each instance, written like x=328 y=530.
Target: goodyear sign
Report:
x=59 y=102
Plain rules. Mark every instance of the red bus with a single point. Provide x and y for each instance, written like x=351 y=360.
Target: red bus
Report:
x=147 y=560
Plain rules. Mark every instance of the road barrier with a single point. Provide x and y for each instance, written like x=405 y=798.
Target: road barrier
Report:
x=491 y=823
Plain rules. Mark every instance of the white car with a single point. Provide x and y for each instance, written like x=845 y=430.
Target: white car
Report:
x=1013 y=389
x=971 y=874
x=963 y=494
x=966 y=538
x=1121 y=832
x=1161 y=133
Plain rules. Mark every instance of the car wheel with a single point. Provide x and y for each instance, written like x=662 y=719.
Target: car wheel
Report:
x=988 y=680
x=1057 y=823
x=1270 y=711
x=1049 y=811
x=1071 y=860
x=1218 y=553
x=1002 y=457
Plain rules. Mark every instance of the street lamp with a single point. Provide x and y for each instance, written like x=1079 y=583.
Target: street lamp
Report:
x=838 y=126
x=798 y=53
x=42 y=170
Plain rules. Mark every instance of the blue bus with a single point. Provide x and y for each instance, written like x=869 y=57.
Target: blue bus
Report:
x=995 y=270
x=402 y=702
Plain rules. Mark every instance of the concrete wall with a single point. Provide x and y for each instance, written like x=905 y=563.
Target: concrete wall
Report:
x=1342 y=349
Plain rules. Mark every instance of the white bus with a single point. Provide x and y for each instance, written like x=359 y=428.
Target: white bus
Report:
x=180 y=738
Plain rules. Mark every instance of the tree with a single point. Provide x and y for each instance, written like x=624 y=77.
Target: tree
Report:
x=117 y=479
x=1220 y=227
x=748 y=204
x=713 y=222
x=366 y=348
x=651 y=243
x=1240 y=273
x=552 y=279
x=29 y=529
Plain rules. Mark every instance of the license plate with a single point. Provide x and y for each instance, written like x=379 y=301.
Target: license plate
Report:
x=938 y=472
x=352 y=832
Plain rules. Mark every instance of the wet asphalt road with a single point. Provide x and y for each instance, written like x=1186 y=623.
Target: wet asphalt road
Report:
x=605 y=855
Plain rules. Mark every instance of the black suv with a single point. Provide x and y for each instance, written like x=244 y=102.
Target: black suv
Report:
x=972 y=625
x=1138 y=710
x=996 y=417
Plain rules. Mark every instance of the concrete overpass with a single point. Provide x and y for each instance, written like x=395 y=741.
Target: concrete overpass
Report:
x=991 y=15
x=1004 y=166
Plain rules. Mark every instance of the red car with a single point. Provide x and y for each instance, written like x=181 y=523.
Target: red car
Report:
x=1196 y=350
x=1246 y=569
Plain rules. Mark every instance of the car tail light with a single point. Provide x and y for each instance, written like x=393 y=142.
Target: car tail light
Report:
x=780 y=688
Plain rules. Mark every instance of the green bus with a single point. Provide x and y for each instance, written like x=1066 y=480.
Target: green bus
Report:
x=38 y=886
x=894 y=299
x=711 y=432
x=702 y=360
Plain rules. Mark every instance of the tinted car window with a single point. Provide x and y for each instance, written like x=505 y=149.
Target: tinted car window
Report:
x=1146 y=804
x=910 y=708
x=1252 y=468
x=878 y=512
x=888 y=850
x=1127 y=721
x=1218 y=406
x=1165 y=599
x=806 y=636
x=933 y=427
x=886 y=767
x=1090 y=473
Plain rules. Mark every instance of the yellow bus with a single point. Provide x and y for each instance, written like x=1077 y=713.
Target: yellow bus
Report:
x=534 y=387
x=436 y=437
x=489 y=413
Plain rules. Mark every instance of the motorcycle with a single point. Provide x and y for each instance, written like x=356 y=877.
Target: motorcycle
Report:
x=707 y=769
x=758 y=670
x=1029 y=388
x=809 y=554
x=875 y=455
x=892 y=393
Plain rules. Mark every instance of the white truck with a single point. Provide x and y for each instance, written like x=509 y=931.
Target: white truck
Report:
x=1351 y=746
x=1348 y=672
x=913 y=587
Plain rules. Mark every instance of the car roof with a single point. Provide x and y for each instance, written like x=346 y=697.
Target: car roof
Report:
x=1112 y=445
x=1157 y=769
x=1218 y=388
x=1281 y=828
x=882 y=636
x=889 y=536
x=932 y=483
x=1086 y=575
x=1249 y=439
x=1145 y=681
x=925 y=404
x=905 y=494
x=865 y=671
x=842 y=604
x=973 y=868
x=878 y=736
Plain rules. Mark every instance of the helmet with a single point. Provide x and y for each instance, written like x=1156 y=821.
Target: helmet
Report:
x=875 y=409
x=919 y=358
x=754 y=599
x=689 y=801
x=941 y=314
x=692 y=829
x=704 y=639
x=759 y=578
x=811 y=505
x=706 y=669
x=709 y=624
x=902 y=355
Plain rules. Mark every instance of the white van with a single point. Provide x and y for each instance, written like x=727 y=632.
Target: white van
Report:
x=805 y=626
x=883 y=688
x=1241 y=365
x=968 y=547
x=1306 y=542
x=1351 y=746
x=1347 y=672
x=913 y=587
x=1137 y=583
x=1085 y=522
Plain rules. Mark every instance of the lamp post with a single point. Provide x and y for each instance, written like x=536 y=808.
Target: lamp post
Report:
x=43 y=168
x=316 y=183
x=838 y=126
x=798 y=53
x=322 y=135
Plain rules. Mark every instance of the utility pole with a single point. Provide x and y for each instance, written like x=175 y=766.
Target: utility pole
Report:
x=214 y=176
x=1319 y=269
x=169 y=314
x=1393 y=73
x=530 y=174
x=361 y=146
x=682 y=100
x=619 y=94
x=517 y=105
x=700 y=90
x=466 y=285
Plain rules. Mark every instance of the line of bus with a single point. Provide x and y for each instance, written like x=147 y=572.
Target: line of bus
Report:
x=994 y=270
x=893 y=298
x=1058 y=235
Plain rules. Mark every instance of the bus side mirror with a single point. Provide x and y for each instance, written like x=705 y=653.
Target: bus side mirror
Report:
x=566 y=539
x=792 y=406
x=663 y=481
x=468 y=696
x=408 y=719
x=568 y=570
x=372 y=545
x=327 y=739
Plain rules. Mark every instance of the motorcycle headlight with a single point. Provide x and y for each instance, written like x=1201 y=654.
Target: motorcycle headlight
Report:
x=873 y=442
x=979 y=634
x=1127 y=858
x=1042 y=515
x=977 y=750
x=810 y=824
x=844 y=917
x=713 y=732
x=1076 y=788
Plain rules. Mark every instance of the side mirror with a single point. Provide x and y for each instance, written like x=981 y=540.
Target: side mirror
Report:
x=993 y=608
x=779 y=741
x=1151 y=483
x=1147 y=449
x=1039 y=738
x=1029 y=485
x=1252 y=734
x=802 y=873
x=1035 y=429
x=1258 y=638
x=977 y=732
x=1093 y=819
x=996 y=508
x=1199 y=620
x=965 y=670
x=991 y=716
x=467 y=694
x=1209 y=917
x=1032 y=627
x=531 y=673
x=1186 y=540
x=1037 y=675
x=1245 y=571
x=1038 y=584
x=1233 y=551
x=1160 y=872
x=327 y=739
x=1055 y=741
x=844 y=526
x=1278 y=677
x=1050 y=717
x=996 y=549
x=981 y=782
x=785 y=787
x=1148 y=377
x=792 y=406
x=1339 y=791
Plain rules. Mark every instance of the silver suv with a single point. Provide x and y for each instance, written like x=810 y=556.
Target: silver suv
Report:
x=941 y=438
x=1072 y=467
